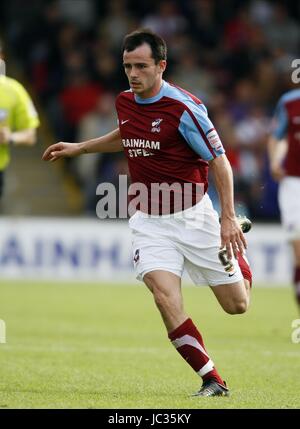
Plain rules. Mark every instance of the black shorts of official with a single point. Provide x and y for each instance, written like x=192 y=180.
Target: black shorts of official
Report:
x=1 y=182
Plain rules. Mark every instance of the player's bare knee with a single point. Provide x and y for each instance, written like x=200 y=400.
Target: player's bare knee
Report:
x=241 y=307
x=237 y=307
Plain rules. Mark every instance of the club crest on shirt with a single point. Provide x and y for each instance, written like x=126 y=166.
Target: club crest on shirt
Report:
x=156 y=126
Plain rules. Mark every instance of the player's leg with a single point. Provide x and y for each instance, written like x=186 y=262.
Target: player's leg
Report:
x=296 y=249
x=235 y=297
x=184 y=335
x=232 y=290
x=166 y=289
x=230 y=280
x=159 y=263
x=290 y=217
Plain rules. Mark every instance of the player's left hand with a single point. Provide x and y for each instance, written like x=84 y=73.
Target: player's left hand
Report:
x=5 y=134
x=232 y=237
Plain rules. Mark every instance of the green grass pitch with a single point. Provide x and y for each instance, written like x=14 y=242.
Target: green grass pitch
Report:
x=104 y=346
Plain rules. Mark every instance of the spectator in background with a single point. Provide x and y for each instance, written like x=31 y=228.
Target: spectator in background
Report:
x=105 y=71
x=224 y=124
x=260 y=11
x=202 y=15
x=282 y=31
x=117 y=22
x=251 y=135
x=78 y=98
x=167 y=20
x=265 y=81
x=190 y=75
x=244 y=97
x=80 y=12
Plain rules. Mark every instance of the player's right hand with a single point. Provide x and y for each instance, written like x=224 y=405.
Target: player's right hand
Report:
x=61 y=150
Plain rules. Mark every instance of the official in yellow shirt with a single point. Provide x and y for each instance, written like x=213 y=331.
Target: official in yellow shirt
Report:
x=18 y=119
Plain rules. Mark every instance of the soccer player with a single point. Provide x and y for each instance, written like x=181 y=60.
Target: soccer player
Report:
x=284 y=155
x=168 y=139
x=18 y=118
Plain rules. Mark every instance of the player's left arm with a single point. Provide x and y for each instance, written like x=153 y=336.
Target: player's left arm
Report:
x=232 y=236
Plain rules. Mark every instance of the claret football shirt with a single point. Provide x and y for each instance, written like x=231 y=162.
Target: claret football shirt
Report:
x=168 y=139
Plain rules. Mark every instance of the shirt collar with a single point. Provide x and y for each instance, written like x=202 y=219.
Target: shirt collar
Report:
x=153 y=99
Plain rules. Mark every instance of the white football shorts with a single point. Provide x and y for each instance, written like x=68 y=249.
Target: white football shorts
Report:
x=289 y=204
x=186 y=240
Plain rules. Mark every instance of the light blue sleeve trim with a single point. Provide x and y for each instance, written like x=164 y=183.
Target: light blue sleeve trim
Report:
x=193 y=137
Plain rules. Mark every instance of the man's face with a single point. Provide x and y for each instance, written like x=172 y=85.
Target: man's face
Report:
x=143 y=74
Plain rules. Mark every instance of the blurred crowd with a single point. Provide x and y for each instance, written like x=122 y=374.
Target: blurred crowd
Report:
x=234 y=55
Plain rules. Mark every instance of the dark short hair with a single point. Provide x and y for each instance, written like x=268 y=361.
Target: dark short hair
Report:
x=139 y=37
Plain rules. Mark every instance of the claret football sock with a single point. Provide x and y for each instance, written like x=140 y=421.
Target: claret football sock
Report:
x=189 y=343
x=297 y=283
x=245 y=267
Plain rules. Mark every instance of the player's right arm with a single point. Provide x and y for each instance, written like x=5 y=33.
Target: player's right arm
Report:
x=110 y=142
